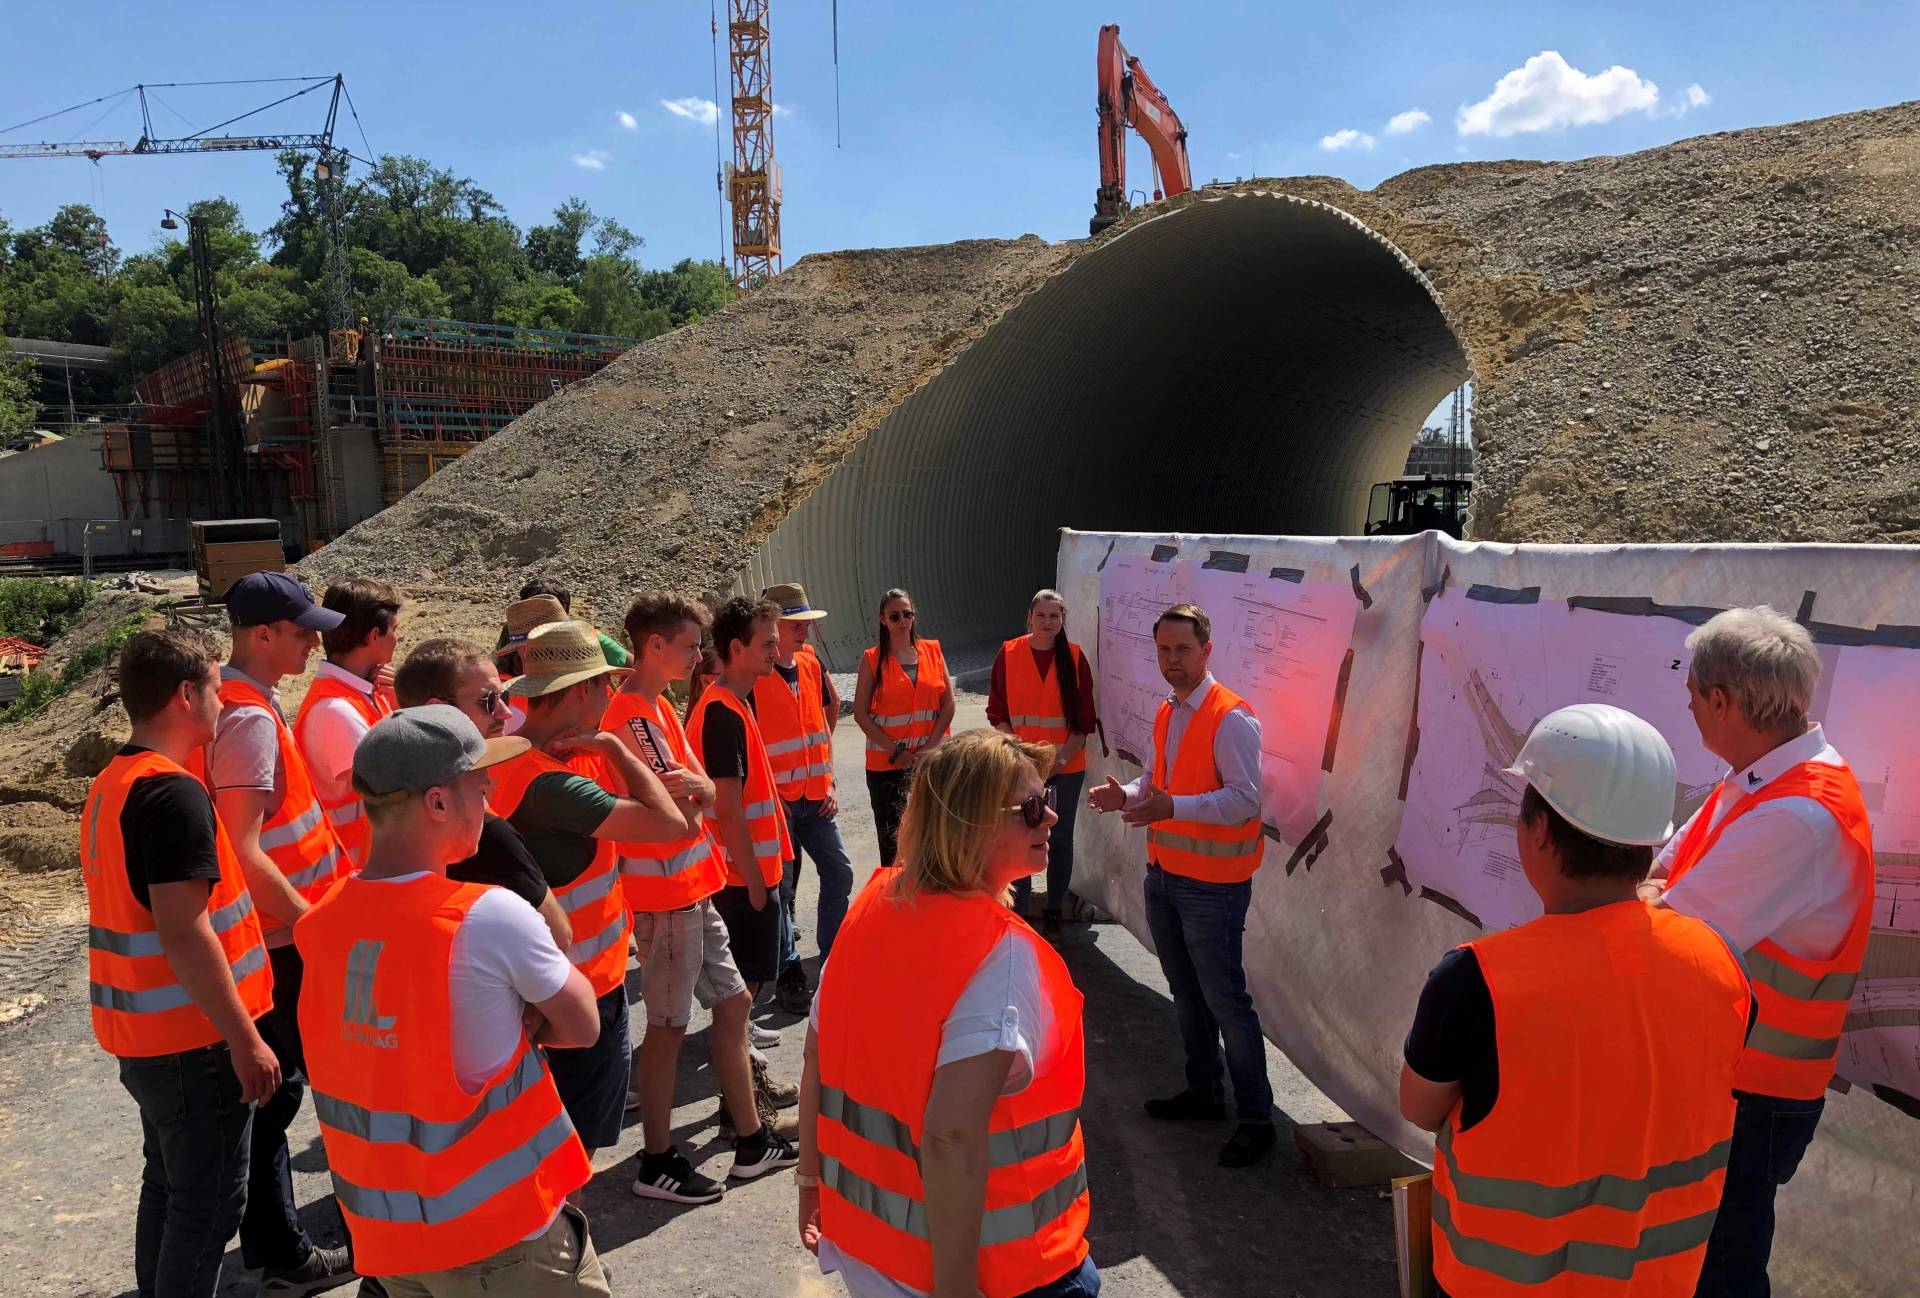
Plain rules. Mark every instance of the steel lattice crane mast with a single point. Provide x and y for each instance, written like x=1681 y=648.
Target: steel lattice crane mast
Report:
x=329 y=159
x=753 y=181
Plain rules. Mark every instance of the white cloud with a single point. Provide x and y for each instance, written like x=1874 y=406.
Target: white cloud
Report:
x=627 y=120
x=1346 y=138
x=1411 y=120
x=1697 y=96
x=592 y=160
x=1547 y=93
x=694 y=109
x=781 y=110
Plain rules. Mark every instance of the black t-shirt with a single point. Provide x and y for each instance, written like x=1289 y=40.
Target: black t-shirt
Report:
x=168 y=828
x=723 y=743
x=791 y=675
x=502 y=859
x=1452 y=1037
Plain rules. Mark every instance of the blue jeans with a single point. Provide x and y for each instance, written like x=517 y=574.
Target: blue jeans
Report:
x=818 y=836
x=195 y=1133
x=1769 y=1136
x=1059 y=846
x=1197 y=928
x=270 y=1232
x=1081 y=1282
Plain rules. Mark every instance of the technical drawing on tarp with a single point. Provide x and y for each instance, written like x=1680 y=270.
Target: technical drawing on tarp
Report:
x=1279 y=642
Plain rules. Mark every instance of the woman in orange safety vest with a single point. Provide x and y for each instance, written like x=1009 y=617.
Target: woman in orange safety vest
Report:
x=1042 y=691
x=936 y=1158
x=903 y=704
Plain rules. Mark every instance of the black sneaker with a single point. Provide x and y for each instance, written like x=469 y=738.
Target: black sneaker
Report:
x=1250 y=1142
x=671 y=1177
x=760 y=1153
x=323 y=1269
x=792 y=992
x=1187 y=1107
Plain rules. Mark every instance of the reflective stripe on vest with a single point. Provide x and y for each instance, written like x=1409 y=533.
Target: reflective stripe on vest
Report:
x=878 y=1044
x=1035 y=705
x=760 y=806
x=138 y=1006
x=793 y=723
x=680 y=872
x=1803 y=1003
x=904 y=709
x=1627 y=1208
x=428 y=1176
x=289 y=832
x=1200 y=850
x=997 y=1225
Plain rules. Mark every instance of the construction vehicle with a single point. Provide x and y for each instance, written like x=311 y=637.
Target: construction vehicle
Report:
x=1419 y=503
x=1128 y=97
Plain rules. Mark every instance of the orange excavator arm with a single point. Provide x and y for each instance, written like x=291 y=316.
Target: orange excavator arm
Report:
x=1128 y=97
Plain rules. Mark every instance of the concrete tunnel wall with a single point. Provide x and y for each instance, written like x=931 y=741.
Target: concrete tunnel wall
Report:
x=1245 y=363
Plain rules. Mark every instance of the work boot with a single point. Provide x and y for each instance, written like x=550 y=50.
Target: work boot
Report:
x=782 y=1095
x=792 y=991
x=322 y=1269
x=1250 y=1142
x=1050 y=921
x=1187 y=1107
x=784 y=1125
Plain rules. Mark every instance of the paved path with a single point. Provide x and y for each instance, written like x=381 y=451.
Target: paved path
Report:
x=1166 y=1219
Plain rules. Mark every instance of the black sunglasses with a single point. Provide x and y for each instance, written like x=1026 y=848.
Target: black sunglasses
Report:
x=900 y=615
x=485 y=702
x=1034 y=810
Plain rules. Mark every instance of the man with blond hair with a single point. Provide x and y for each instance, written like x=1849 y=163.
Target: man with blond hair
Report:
x=1780 y=860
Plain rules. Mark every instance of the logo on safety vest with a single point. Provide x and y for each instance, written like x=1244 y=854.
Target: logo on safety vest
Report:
x=364 y=1023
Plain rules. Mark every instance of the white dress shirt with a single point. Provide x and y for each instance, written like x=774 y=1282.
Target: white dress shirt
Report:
x=1782 y=870
x=333 y=730
x=1236 y=757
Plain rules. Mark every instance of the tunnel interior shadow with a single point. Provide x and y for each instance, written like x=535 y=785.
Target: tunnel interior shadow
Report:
x=1158 y=1192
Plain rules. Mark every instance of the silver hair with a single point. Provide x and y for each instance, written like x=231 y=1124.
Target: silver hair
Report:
x=1764 y=660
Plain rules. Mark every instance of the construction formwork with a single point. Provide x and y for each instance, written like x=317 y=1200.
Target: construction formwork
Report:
x=444 y=386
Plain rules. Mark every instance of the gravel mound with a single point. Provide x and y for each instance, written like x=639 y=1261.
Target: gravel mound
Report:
x=1708 y=341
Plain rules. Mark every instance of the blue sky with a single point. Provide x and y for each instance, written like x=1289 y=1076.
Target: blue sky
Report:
x=958 y=119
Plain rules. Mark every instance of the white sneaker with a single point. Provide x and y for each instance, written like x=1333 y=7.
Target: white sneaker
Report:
x=633 y=1101
x=762 y=1037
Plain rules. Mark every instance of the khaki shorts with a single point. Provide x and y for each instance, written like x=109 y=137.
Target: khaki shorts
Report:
x=683 y=956
x=561 y=1263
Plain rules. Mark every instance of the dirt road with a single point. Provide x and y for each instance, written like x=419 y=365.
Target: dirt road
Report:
x=1166 y=1219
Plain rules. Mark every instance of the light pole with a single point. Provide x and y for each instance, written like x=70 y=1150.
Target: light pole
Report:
x=229 y=493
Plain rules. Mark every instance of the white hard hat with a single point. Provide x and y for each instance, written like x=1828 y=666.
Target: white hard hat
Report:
x=1606 y=771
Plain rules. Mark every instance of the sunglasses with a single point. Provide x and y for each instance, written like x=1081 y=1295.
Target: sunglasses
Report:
x=1034 y=810
x=486 y=702
x=899 y=615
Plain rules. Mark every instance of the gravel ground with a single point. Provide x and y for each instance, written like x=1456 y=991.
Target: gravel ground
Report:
x=1167 y=1220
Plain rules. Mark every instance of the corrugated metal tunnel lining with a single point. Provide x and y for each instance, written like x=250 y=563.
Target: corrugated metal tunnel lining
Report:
x=1245 y=363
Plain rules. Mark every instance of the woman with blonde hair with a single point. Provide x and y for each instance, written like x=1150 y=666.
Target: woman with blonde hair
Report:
x=941 y=1151
x=903 y=704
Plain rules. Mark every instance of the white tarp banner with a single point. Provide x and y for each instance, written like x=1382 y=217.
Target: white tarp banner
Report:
x=1393 y=828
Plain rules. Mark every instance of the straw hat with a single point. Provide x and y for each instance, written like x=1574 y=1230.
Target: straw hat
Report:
x=791 y=596
x=524 y=616
x=558 y=655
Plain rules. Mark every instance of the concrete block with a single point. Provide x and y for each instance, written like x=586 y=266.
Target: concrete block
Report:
x=1342 y=1154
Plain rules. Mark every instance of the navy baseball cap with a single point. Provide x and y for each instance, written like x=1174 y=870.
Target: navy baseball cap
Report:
x=262 y=597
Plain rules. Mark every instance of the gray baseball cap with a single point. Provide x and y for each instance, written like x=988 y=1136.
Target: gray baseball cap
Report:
x=423 y=748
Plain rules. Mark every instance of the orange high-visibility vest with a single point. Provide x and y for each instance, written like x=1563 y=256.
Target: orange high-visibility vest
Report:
x=794 y=724
x=672 y=875
x=347 y=813
x=1803 y=1003
x=759 y=799
x=296 y=835
x=594 y=903
x=140 y=1008
x=1035 y=708
x=879 y=1044
x=902 y=708
x=427 y=1175
x=1600 y=1168
x=1212 y=853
